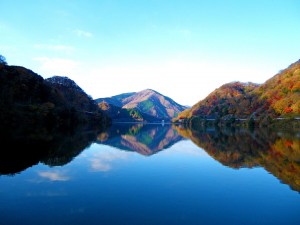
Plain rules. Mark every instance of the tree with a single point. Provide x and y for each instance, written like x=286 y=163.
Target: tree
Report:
x=251 y=122
x=2 y=60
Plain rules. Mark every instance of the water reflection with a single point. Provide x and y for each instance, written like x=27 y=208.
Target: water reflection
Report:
x=143 y=139
x=276 y=151
x=103 y=161
x=20 y=149
x=53 y=175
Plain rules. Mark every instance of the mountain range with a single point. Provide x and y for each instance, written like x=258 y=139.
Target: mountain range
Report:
x=26 y=98
x=146 y=105
x=278 y=97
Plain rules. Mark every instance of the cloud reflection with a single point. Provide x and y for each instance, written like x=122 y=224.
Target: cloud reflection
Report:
x=102 y=161
x=58 y=193
x=54 y=176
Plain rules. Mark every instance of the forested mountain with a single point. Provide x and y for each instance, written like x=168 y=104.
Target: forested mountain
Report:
x=26 y=99
x=146 y=102
x=119 y=114
x=232 y=98
x=277 y=97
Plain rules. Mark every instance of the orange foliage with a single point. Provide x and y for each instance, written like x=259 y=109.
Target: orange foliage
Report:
x=288 y=110
x=278 y=96
x=288 y=143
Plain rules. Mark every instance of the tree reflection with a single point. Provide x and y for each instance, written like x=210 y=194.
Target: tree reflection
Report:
x=25 y=147
x=277 y=151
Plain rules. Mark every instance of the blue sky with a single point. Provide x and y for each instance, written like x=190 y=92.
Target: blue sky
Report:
x=182 y=48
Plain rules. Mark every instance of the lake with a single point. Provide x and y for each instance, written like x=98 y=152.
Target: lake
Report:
x=151 y=174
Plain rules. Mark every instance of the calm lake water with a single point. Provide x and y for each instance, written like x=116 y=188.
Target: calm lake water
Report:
x=152 y=174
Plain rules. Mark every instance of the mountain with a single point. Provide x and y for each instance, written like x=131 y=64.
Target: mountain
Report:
x=115 y=100
x=153 y=103
x=143 y=139
x=277 y=97
x=146 y=102
x=27 y=100
x=119 y=114
x=232 y=98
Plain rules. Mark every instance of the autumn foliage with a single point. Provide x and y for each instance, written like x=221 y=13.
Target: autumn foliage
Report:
x=277 y=97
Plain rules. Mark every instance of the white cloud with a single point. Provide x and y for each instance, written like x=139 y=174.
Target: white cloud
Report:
x=185 y=81
x=56 y=66
x=47 y=193
x=82 y=33
x=54 y=176
x=61 y=48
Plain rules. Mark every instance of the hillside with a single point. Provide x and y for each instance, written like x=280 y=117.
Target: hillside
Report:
x=277 y=97
x=233 y=98
x=282 y=92
x=27 y=100
x=146 y=102
x=119 y=114
x=115 y=100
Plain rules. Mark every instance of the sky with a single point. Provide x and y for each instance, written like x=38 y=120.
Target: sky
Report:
x=184 y=49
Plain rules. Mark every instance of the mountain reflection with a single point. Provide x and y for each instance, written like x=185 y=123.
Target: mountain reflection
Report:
x=276 y=151
x=21 y=149
x=143 y=139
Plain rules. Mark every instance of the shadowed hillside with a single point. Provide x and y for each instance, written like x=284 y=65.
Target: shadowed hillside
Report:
x=49 y=121
x=26 y=99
